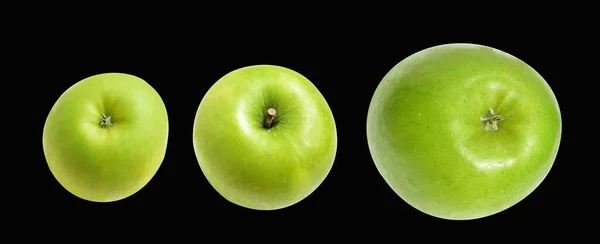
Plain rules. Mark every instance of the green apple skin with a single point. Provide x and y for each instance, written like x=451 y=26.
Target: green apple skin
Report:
x=427 y=140
x=106 y=163
x=255 y=167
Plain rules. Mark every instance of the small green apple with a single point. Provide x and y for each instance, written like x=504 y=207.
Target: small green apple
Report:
x=264 y=137
x=463 y=131
x=106 y=137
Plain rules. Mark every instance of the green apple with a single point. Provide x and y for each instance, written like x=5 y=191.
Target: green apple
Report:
x=106 y=137
x=463 y=131
x=264 y=137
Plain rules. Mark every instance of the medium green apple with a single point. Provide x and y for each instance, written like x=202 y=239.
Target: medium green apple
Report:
x=463 y=131
x=106 y=137
x=264 y=137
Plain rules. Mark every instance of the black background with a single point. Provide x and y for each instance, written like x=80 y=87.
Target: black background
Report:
x=346 y=66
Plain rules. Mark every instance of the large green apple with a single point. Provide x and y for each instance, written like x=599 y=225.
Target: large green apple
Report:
x=264 y=137
x=463 y=131
x=106 y=137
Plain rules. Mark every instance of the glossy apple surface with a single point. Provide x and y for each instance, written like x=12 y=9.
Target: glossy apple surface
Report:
x=106 y=137
x=260 y=166
x=463 y=131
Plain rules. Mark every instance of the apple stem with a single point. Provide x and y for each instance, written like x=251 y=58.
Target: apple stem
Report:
x=106 y=121
x=271 y=112
x=490 y=120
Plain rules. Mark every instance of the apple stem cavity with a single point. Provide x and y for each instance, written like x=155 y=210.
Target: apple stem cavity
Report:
x=106 y=121
x=271 y=112
x=490 y=120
